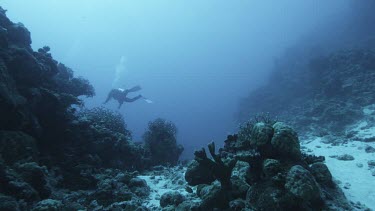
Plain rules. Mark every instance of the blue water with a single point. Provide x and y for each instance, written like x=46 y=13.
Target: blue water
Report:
x=194 y=59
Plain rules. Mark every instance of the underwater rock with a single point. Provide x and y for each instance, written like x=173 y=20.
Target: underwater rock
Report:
x=344 y=157
x=233 y=143
x=139 y=187
x=21 y=190
x=239 y=188
x=371 y=163
x=35 y=175
x=241 y=169
x=16 y=146
x=19 y=35
x=271 y=167
x=187 y=206
x=267 y=197
x=283 y=178
x=368 y=140
x=212 y=197
x=173 y=198
x=369 y=149
x=8 y=203
x=48 y=205
x=261 y=134
x=310 y=159
x=285 y=141
x=237 y=205
x=112 y=192
x=125 y=205
x=321 y=173
x=302 y=184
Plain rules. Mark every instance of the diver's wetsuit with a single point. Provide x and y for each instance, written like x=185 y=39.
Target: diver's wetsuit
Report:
x=120 y=95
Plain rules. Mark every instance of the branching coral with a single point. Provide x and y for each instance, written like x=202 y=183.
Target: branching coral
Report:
x=220 y=170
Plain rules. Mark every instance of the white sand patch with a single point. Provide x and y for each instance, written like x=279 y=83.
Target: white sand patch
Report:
x=366 y=127
x=369 y=110
x=362 y=183
x=158 y=188
x=363 y=130
x=164 y=183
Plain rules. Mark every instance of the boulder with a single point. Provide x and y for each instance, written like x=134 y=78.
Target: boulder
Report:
x=173 y=198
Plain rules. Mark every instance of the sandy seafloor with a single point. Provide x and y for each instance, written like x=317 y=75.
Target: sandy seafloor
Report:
x=357 y=182
x=168 y=180
x=355 y=177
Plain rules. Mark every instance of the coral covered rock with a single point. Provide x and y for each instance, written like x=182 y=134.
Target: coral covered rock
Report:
x=173 y=198
x=261 y=135
x=161 y=138
x=17 y=147
x=321 y=173
x=271 y=167
x=279 y=176
x=285 y=141
x=139 y=187
x=302 y=184
x=8 y=203
x=35 y=175
x=48 y=205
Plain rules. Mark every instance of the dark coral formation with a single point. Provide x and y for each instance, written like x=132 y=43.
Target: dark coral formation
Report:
x=271 y=173
x=161 y=138
x=54 y=153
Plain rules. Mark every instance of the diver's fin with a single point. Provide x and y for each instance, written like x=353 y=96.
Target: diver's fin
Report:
x=134 y=89
x=148 y=100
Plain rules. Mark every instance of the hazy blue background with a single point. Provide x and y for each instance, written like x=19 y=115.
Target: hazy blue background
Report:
x=194 y=59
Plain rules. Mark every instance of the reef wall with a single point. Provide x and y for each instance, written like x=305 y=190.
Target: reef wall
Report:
x=55 y=153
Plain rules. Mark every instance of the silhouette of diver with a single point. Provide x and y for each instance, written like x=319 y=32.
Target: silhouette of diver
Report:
x=121 y=95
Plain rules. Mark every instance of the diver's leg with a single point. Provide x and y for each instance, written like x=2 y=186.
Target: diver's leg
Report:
x=129 y=100
x=120 y=104
x=110 y=95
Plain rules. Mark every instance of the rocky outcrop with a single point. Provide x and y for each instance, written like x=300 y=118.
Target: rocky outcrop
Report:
x=46 y=145
x=171 y=198
x=54 y=153
x=279 y=176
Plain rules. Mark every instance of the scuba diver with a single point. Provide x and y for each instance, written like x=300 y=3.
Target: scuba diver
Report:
x=121 y=96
